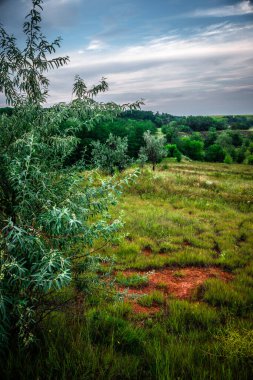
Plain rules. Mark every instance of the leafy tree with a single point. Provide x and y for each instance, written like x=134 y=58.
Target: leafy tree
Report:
x=211 y=137
x=204 y=123
x=22 y=71
x=173 y=152
x=6 y=110
x=44 y=207
x=250 y=159
x=192 y=148
x=215 y=153
x=142 y=158
x=224 y=139
x=154 y=148
x=171 y=132
x=196 y=136
x=249 y=154
x=112 y=155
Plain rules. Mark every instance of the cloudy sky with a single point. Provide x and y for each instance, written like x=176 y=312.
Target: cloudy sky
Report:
x=182 y=57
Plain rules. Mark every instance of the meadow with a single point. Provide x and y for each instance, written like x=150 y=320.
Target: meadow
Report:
x=176 y=297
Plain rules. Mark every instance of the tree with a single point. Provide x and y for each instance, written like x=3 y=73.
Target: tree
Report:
x=112 y=155
x=211 y=137
x=173 y=152
x=191 y=148
x=170 y=131
x=22 y=71
x=215 y=153
x=44 y=207
x=224 y=139
x=154 y=148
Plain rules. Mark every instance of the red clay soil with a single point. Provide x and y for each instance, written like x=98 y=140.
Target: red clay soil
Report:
x=147 y=251
x=180 y=283
x=138 y=309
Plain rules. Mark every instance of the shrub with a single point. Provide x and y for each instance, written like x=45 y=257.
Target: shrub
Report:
x=215 y=153
x=173 y=152
x=44 y=208
x=192 y=148
x=112 y=155
x=228 y=159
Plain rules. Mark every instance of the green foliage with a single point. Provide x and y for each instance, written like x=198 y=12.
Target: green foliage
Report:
x=45 y=209
x=154 y=298
x=240 y=122
x=228 y=159
x=81 y=91
x=154 y=148
x=237 y=344
x=171 y=132
x=112 y=155
x=215 y=153
x=203 y=123
x=192 y=148
x=211 y=137
x=173 y=152
x=196 y=203
x=125 y=337
x=218 y=293
x=22 y=71
x=186 y=316
x=250 y=159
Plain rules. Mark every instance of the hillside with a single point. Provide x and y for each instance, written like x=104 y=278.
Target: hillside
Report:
x=177 y=301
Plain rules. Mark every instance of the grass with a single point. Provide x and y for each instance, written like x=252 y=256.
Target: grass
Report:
x=152 y=299
x=183 y=215
x=133 y=280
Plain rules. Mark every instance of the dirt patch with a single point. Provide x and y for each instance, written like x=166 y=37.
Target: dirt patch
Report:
x=147 y=251
x=186 y=243
x=138 y=309
x=180 y=283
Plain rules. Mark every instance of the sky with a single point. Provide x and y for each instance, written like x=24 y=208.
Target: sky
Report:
x=182 y=57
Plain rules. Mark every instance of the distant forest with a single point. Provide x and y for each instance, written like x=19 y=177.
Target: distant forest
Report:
x=204 y=138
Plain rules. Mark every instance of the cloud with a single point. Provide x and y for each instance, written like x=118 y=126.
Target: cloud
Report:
x=62 y=2
x=209 y=72
x=95 y=45
x=242 y=8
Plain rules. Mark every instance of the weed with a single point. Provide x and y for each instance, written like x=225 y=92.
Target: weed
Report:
x=134 y=280
x=154 y=298
x=178 y=274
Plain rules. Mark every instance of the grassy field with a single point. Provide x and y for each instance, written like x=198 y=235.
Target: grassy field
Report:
x=179 y=297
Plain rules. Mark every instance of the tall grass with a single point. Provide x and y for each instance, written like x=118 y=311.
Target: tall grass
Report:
x=183 y=215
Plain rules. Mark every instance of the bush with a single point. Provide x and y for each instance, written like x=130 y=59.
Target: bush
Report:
x=173 y=152
x=228 y=159
x=44 y=208
x=192 y=148
x=250 y=159
x=215 y=153
x=112 y=155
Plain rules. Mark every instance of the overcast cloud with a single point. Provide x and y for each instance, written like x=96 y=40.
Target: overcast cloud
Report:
x=181 y=58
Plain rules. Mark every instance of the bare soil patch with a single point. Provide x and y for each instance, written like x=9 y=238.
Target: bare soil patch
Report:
x=147 y=251
x=180 y=283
